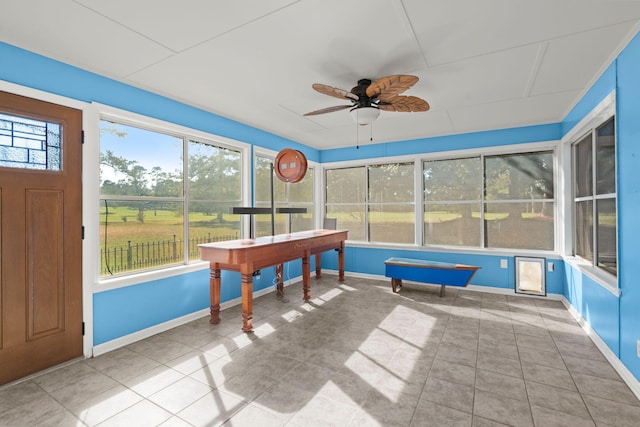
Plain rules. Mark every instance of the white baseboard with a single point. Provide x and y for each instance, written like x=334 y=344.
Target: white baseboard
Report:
x=622 y=370
x=170 y=324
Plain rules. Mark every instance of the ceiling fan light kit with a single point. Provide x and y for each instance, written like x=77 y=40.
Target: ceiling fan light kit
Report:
x=365 y=115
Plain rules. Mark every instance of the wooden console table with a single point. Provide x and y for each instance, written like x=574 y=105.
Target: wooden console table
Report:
x=249 y=255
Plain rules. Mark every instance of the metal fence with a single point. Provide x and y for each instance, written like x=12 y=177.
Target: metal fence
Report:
x=142 y=255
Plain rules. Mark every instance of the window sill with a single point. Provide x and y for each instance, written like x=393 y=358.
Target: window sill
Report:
x=606 y=280
x=106 y=284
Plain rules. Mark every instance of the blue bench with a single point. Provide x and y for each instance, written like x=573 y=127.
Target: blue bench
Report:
x=434 y=272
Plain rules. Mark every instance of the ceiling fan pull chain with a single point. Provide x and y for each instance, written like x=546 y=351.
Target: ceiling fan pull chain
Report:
x=357 y=134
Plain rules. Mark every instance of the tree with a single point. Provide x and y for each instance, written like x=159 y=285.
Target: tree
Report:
x=214 y=176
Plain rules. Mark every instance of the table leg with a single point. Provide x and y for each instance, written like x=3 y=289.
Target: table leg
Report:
x=341 y=263
x=396 y=285
x=318 y=267
x=306 y=276
x=247 y=301
x=214 y=295
x=279 y=281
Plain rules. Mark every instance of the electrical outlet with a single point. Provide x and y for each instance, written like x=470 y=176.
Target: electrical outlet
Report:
x=550 y=266
x=638 y=345
x=504 y=263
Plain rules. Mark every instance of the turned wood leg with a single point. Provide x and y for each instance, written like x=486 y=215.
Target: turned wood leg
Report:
x=214 y=295
x=318 y=262
x=279 y=281
x=341 y=263
x=396 y=285
x=247 y=302
x=306 y=277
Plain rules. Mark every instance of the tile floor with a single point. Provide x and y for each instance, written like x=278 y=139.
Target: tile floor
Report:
x=355 y=355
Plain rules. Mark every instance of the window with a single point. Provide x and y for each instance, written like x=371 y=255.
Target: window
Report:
x=452 y=202
x=594 y=190
x=345 y=199
x=519 y=201
x=286 y=194
x=375 y=202
x=499 y=201
x=30 y=144
x=155 y=207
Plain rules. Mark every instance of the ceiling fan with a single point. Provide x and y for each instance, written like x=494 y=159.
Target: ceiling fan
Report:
x=368 y=98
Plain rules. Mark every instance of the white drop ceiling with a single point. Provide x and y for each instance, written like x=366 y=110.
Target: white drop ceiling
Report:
x=482 y=65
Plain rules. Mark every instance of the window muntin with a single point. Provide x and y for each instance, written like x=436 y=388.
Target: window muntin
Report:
x=286 y=194
x=147 y=189
x=594 y=188
x=30 y=144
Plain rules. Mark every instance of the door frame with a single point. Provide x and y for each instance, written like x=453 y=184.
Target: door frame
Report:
x=90 y=163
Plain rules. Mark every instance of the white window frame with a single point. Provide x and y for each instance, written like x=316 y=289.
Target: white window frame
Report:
x=92 y=189
x=596 y=117
x=548 y=145
x=417 y=193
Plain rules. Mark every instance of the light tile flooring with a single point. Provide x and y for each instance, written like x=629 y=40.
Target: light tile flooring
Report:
x=355 y=355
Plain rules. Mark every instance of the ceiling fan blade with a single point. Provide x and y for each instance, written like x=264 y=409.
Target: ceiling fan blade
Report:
x=334 y=91
x=329 y=110
x=404 y=104
x=390 y=86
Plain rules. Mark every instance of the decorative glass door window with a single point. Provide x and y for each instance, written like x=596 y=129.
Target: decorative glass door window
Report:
x=30 y=144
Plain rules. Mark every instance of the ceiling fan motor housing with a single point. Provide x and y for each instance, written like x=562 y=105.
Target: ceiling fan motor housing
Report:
x=361 y=91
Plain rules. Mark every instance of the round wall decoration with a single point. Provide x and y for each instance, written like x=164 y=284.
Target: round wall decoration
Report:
x=290 y=165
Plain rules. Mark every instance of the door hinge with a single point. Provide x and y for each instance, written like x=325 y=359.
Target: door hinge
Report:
x=82 y=328
x=82 y=137
x=83 y=232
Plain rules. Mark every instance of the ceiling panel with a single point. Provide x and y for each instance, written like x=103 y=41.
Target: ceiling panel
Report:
x=498 y=76
x=508 y=114
x=453 y=30
x=179 y=25
x=569 y=62
x=71 y=33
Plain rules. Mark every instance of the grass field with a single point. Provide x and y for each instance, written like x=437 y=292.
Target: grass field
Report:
x=163 y=227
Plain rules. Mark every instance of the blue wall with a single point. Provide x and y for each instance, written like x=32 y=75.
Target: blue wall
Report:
x=371 y=261
x=628 y=164
x=126 y=310
x=123 y=311
x=617 y=319
x=493 y=138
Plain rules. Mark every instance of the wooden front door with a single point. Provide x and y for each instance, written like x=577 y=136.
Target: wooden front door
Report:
x=40 y=235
